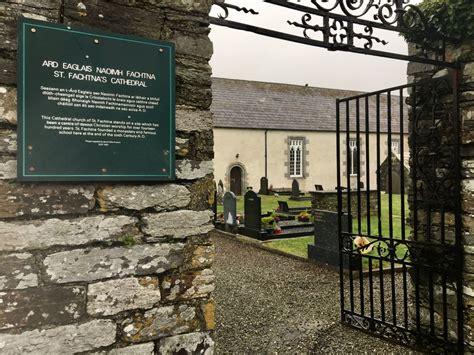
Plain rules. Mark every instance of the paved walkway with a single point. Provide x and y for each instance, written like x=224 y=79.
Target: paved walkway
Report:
x=267 y=303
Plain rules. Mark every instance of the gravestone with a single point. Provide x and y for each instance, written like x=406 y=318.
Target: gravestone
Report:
x=252 y=211
x=263 y=186
x=295 y=190
x=326 y=240
x=230 y=211
x=220 y=192
x=214 y=204
x=283 y=206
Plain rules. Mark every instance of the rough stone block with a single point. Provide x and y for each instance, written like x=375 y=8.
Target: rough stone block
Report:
x=182 y=147
x=197 y=46
x=202 y=257
x=200 y=6
x=55 y=232
x=188 y=286
x=7 y=168
x=115 y=296
x=192 y=170
x=66 y=339
x=178 y=224
x=193 y=73
x=17 y=271
x=95 y=264
x=44 y=199
x=140 y=349
x=39 y=306
x=159 y=197
x=8 y=138
x=209 y=313
x=194 y=343
x=202 y=194
x=7 y=103
x=10 y=10
x=189 y=120
x=160 y=322
x=118 y=16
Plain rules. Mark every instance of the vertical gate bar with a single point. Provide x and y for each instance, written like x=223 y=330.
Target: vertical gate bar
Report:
x=414 y=160
x=445 y=307
x=402 y=202
x=379 y=210
x=379 y=197
x=414 y=216
x=367 y=188
x=390 y=205
x=349 y=225
x=459 y=258
x=443 y=224
x=367 y=165
x=405 y=296
x=361 y=286
x=417 y=299
x=402 y=165
x=359 y=205
x=431 y=300
x=339 y=206
x=371 y=290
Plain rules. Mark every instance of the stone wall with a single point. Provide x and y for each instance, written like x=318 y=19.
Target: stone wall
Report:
x=327 y=201
x=111 y=268
x=436 y=171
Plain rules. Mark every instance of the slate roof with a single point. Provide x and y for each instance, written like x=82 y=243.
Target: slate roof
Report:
x=259 y=105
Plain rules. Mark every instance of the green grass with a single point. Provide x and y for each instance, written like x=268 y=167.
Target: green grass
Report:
x=298 y=246
x=295 y=246
x=269 y=203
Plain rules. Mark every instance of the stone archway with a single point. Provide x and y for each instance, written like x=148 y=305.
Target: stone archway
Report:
x=236 y=179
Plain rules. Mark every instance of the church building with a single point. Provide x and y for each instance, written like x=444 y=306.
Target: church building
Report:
x=287 y=132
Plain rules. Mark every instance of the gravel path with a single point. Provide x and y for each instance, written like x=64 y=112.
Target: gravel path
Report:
x=267 y=303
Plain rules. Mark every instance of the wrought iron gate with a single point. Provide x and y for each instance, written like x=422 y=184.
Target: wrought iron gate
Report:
x=403 y=251
x=402 y=244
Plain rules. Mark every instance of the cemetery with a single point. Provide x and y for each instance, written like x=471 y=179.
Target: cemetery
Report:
x=269 y=222
x=148 y=206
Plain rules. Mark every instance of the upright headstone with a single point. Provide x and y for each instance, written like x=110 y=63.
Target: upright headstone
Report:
x=220 y=192
x=326 y=240
x=295 y=190
x=263 y=186
x=230 y=211
x=214 y=204
x=252 y=211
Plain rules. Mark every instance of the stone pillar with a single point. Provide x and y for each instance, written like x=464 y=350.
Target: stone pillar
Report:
x=429 y=219
x=115 y=268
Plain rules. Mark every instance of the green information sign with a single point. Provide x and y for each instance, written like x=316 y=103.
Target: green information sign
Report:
x=94 y=106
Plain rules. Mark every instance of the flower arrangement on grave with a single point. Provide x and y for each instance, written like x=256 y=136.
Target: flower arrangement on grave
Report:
x=277 y=229
x=271 y=223
x=304 y=217
x=363 y=245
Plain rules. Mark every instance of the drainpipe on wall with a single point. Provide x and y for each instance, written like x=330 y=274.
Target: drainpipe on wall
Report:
x=266 y=155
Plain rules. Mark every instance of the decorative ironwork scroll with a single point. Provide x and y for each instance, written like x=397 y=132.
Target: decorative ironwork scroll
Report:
x=346 y=25
x=227 y=7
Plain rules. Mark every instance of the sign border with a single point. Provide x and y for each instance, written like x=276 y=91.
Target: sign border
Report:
x=22 y=175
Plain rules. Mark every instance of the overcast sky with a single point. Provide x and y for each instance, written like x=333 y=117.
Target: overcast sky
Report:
x=244 y=55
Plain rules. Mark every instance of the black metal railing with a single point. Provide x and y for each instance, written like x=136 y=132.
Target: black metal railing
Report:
x=405 y=278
